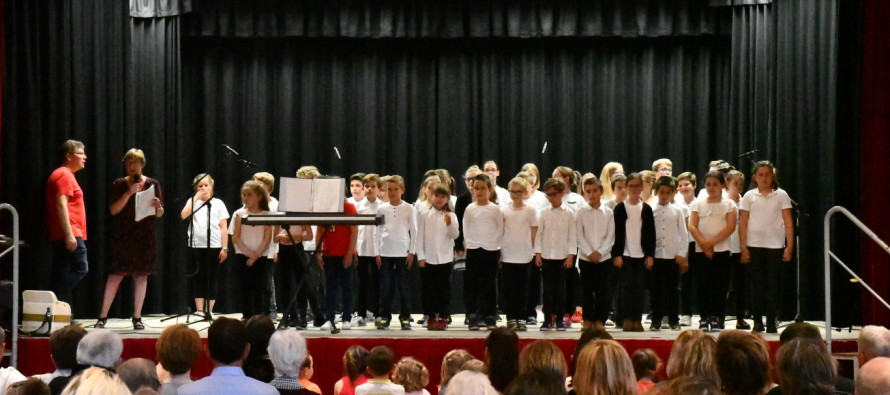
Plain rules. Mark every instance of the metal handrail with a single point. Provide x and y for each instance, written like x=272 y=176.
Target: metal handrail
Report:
x=829 y=255
x=13 y=361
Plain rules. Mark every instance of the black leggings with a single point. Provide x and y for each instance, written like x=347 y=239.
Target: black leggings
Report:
x=204 y=262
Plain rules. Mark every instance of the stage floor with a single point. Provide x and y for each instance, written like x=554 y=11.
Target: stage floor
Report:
x=154 y=326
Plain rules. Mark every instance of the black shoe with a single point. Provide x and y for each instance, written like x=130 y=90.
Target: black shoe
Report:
x=532 y=320
x=758 y=327
x=473 y=325
x=383 y=324
x=771 y=328
x=406 y=324
x=741 y=324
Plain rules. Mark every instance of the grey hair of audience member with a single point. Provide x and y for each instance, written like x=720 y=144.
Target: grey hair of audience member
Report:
x=139 y=373
x=100 y=347
x=873 y=378
x=874 y=341
x=470 y=383
x=287 y=350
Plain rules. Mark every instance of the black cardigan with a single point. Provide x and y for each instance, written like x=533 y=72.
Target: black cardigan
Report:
x=647 y=234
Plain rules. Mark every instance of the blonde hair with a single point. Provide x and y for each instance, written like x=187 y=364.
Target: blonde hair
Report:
x=542 y=356
x=134 y=154
x=308 y=172
x=258 y=189
x=396 y=179
x=659 y=162
x=648 y=176
x=202 y=176
x=372 y=177
x=604 y=369
x=266 y=178
x=452 y=363
x=96 y=381
x=411 y=374
x=473 y=169
x=521 y=181
x=430 y=175
x=533 y=170
x=609 y=171
x=572 y=175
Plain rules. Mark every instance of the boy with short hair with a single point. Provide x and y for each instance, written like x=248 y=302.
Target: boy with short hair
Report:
x=671 y=246
x=368 y=293
x=595 y=229
x=356 y=188
x=381 y=362
x=395 y=240
x=555 y=247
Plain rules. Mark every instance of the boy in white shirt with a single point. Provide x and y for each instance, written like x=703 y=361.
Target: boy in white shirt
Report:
x=381 y=362
x=395 y=252
x=368 y=294
x=555 y=247
x=595 y=230
x=671 y=246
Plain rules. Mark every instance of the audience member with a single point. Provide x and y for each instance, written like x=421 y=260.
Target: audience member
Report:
x=355 y=364
x=587 y=336
x=7 y=375
x=502 y=357
x=536 y=383
x=287 y=352
x=31 y=386
x=646 y=364
x=468 y=382
x=63 y=351
x=873 y=378
x=604 y=368
x=257 y=365
x=696 y=357
x=475 y=365
x=742 y=363
x=451 y=365
x=412 y=375
x=380 y=366
x=686 y=385
x=96 y=381
x=805 y=367
x=177 y=350
x=139 y=373
x=544 y=357
x=227 y=347
x=306 y=373
x=100 y=348
x=803 y=330
x=874 y=341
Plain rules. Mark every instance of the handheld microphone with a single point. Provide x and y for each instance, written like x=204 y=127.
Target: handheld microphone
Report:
x=749 y=153
x=136 y=178
x=543 y=150
x=232 y=150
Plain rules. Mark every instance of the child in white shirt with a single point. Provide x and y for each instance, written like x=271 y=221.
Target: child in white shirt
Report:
x=671 y=246
x=395 y=241
x=555 y=248
x=483 y=228
x=517 y=251
x=436 y=230
x=595 y=230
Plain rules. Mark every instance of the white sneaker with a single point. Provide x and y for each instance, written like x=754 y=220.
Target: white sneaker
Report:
x=327 y=326
x=357 y=321
x=346 y=326
x=370 y=317
x=685 y=320
x=610 y=323
x=664 y=323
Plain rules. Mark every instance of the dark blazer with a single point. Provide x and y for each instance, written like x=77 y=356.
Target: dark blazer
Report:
x=647 y=235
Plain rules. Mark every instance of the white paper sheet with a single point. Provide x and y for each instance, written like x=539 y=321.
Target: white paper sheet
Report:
x=143 y=203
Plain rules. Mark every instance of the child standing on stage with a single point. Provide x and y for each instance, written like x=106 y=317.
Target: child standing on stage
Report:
x=648 y=182
x=686 y=184
x=336 y=255
x=356 y=188
x=595 y=230
x=555 y=248
x=202 y=254
x=741 y=278
x=766 y=236
x=711 y=221
x=634 y=251
x=483 y=228
x=367 y=298
x=436 y=230
x=517 y=247
x=251 y=248
x=619 y=191
x=395 y=241
x=607 y=176
x=671 y=247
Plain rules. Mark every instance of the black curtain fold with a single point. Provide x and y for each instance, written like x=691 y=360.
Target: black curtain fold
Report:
x=159 y=8
x=458 y=19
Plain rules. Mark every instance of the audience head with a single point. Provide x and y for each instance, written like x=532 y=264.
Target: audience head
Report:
x=227 y=341
x=604 y=368
x=101 y=348
x=742 y=362
x=307 y=370
x=411 y=374
x=380 y=361
x=287 y=350
x=805 y=367
x=645 y=363
x=677 y=360
x=63 y=345
x=469 y=382
x=536 y=383
x=696 y=358
x=259 y=329
x=502 y=357
x=178 y=348
x=139 y=373
x=873 y=378
x=355 y=362
x=874 y=341
x=474 y=365
x=96 y=381
x=686 y=385
x=31 y=386
x=452 y=363
x=801 y=330
x=544 y=357
x=585 y=339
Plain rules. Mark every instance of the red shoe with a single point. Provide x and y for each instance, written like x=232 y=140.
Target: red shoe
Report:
x=567 y=320
x=577 y=317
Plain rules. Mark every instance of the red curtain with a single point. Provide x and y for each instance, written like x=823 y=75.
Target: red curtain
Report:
x=875 y=155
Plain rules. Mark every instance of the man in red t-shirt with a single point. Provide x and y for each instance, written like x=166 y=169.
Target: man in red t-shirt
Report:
x=66 y=221
x=337 y=253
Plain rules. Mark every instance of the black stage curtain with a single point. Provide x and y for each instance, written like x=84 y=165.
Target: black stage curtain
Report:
x=285 y=85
